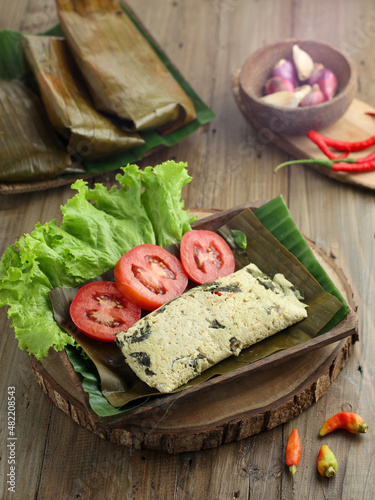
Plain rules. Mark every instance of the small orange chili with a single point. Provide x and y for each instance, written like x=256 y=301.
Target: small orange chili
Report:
x=327 y=463
x=344 y=420
x=293 y=451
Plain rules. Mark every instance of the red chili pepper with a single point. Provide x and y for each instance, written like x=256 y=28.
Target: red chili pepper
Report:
x=363 y=159
x=344 y=420
x=327 y=463
x=339 y=165
x=355 y=167
x=344 y=145
x=370 y=113
x=293 y=451
x=318 y=139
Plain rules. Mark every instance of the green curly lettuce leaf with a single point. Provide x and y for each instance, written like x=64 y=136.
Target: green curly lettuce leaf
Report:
x=98 y=226
x=165 y=182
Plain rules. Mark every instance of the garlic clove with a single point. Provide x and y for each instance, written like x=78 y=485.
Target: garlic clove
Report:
x=284 y=98
x=303 y=63
x=301 y=92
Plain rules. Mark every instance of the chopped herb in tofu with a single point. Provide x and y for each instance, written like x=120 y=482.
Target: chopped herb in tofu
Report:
x=141 y=334
x=215 y=324
x=235 y=288
x=142 y=358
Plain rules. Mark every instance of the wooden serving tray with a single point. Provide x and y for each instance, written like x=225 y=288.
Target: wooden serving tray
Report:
x=230 y=407
x=354 y=125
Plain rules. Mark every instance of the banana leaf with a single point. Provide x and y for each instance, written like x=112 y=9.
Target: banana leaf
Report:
x=123 y=73
x=12 y=66
x=69 y=107
x=265 y=250
x=29 y=147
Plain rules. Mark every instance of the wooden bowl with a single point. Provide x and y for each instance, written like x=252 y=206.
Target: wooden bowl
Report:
x=295 y=121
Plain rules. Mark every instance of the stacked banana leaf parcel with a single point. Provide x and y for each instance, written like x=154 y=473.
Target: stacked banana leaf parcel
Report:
x=29 y=147
x=100 y=90
x=124 y=75
x=68 y=103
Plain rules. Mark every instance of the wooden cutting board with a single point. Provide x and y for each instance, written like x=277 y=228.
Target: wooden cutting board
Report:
x=259 y=397
x=354 y=125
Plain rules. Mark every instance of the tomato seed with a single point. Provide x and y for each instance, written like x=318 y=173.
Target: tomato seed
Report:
x=109 y=301
x=94 y=316
x=159 y=267
x=148 y=280
x=203 y=258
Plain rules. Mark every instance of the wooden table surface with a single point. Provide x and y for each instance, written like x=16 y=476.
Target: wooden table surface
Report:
x=208 y=40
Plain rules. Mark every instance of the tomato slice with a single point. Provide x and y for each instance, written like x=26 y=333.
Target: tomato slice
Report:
x=150 y=276
x=205 y=256
x=100 y=310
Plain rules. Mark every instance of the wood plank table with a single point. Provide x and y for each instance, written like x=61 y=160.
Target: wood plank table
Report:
x=231 y=164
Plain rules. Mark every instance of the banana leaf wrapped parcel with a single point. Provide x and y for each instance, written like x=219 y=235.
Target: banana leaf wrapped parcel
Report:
x=69 y=107
x=30 y=149
x=123 y=73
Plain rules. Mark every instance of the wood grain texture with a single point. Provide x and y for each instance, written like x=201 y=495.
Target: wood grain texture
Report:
x=14 y=14
x=231 y=163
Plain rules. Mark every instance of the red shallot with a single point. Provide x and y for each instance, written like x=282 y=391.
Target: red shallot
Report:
x=315 y=74
x=315 y=96
x=327 y=82
x=277 y=83
x=285 y=68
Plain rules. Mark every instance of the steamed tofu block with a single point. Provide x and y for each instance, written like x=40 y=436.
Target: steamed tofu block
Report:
x=207 y=324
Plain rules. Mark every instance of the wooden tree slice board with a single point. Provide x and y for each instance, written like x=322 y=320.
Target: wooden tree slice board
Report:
x=354 y=125
x=259 y=397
